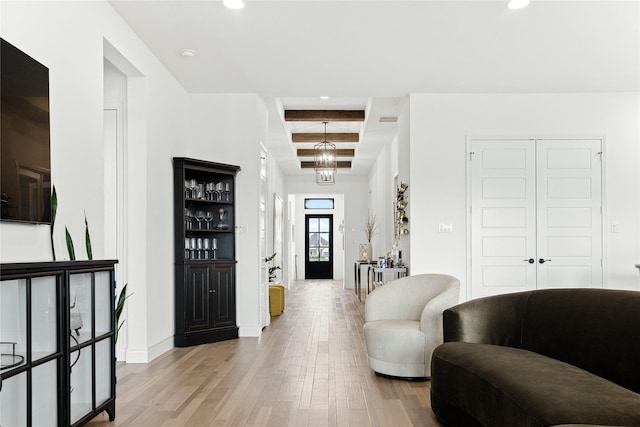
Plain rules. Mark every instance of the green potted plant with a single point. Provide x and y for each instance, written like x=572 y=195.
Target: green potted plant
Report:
x=272 y=268
x=120 y=299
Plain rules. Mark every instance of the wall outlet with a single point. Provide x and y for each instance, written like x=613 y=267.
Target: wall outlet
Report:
x=242 y=228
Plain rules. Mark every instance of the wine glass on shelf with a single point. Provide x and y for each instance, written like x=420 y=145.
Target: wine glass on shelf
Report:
x=199 y=247
x=192 y=248
x=187 y=189
x=219 y=190
x=227 y=191
x=188 y=219
x=187 y=248
x=193 y=184
x=205 y=248
x=200 y=218
x=208 y=217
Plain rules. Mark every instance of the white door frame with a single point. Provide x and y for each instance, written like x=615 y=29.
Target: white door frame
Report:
x=604 y=219
x=263 y=186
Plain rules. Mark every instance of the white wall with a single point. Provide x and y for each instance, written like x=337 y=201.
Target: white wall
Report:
x=220 y=129
x=275 y=185
x=439 y=124
x=69 y=40
x=163 y=122
x=354 y=194
x=404 y=175
x=380 y=202
x=392 y=160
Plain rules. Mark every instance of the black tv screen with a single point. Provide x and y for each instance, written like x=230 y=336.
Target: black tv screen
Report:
x=24 y=138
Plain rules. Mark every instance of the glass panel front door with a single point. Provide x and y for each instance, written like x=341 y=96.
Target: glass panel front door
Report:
x=319 y=246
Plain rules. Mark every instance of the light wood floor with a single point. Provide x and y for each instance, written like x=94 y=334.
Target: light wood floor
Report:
x=309 y=368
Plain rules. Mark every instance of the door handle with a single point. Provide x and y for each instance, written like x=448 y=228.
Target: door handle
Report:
x=542 y=260
x=530 y=260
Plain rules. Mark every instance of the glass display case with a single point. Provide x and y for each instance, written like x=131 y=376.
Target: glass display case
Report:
x=56 y=343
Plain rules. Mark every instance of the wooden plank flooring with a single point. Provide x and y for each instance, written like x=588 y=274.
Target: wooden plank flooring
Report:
x=309 y=368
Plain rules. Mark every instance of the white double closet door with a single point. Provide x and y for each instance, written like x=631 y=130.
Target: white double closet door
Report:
x=536 y=214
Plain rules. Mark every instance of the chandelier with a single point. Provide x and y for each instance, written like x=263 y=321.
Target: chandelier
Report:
x=324 y=161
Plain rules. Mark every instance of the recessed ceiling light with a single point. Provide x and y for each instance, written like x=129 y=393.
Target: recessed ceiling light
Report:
x=234 y=4
x=325 y=97
x=517 y=4
x=187 y=53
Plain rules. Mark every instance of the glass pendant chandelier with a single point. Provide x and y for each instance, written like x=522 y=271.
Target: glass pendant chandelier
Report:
x=325 y=161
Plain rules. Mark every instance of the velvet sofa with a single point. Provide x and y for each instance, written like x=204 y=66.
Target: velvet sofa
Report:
x=540 y=358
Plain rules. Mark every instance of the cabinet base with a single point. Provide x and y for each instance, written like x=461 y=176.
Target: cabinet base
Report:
x=204 y=337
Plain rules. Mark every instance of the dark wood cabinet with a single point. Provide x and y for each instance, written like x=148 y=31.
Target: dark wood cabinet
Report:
x=205 y=260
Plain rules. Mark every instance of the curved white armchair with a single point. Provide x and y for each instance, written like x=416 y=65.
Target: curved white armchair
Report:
x=403 y=323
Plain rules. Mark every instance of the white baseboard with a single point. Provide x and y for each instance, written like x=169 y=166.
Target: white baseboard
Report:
x=147 y=355
x=249 y=331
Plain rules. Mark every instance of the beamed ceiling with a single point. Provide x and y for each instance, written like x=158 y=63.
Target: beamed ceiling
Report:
x=371 y=55
x=346 y=142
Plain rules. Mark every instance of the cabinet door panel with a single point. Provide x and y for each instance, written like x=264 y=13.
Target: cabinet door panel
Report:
x=45 y=394
x=198 y=301
x=81 y=383
x=225 y=297
x=13 y=401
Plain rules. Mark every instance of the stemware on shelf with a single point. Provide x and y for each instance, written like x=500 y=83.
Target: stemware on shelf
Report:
x=205 y=248
x=193 y=185
x=188 y=218
x=208 y=217
x=187 y=189
x=200 y=219
x=219 y=190
x=187 y=247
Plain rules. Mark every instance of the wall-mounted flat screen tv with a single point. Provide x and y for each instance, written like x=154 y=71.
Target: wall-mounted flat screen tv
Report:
x=25 y=179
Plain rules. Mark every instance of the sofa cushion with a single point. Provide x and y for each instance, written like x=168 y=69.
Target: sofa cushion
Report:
x=588 y=328
x=527 y=389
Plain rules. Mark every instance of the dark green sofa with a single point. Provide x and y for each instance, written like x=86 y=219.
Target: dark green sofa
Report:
x=540 y=358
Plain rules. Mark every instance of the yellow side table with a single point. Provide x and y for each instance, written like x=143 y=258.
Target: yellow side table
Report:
x=276 y=299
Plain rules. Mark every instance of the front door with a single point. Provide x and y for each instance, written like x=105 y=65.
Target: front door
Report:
x=319 y=247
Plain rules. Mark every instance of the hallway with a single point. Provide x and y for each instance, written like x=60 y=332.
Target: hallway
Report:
x=309 y=368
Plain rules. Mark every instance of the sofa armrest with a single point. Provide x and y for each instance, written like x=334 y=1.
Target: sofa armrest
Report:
x=491 y=320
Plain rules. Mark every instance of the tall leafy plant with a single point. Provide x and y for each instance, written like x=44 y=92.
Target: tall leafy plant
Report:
x=272 y=268
x=120 y=299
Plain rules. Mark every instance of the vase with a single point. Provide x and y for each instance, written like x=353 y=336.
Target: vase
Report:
x=369 y=251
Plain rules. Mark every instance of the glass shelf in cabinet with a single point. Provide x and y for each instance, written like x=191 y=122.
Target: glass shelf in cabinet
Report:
x=218 y=202
x=205 y=231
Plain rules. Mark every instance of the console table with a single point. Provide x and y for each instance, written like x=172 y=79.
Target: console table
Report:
x=357 y=271
x=378 y=273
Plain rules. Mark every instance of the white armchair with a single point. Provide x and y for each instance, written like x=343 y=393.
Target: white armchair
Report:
x=403 y=323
